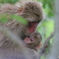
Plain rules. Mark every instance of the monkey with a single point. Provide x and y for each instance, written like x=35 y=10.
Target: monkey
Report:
x=32 y=12
x=26 y=11
x=33 y=41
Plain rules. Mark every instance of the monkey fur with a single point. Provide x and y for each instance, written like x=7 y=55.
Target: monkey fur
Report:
x=31 y=11
x=33 y=40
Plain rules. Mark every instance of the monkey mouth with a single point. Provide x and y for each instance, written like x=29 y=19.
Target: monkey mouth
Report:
x=32 y=26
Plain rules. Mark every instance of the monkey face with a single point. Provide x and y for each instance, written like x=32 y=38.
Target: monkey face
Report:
x=32 y=27
x=32 y=12
x=33 y=41
x=28 y=40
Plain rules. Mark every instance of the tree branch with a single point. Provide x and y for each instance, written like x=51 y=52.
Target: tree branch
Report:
x=42 y=50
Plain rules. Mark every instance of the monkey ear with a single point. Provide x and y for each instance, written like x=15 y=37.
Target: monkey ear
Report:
x=20 y=10
x=40 y=3
x=38 y=47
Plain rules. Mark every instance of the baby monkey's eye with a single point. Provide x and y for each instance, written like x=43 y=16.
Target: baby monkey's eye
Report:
x=31 y=39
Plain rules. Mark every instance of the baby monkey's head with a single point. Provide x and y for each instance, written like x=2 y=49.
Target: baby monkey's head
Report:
x=33 y=41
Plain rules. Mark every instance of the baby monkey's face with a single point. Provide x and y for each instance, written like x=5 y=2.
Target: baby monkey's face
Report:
x=33 y=41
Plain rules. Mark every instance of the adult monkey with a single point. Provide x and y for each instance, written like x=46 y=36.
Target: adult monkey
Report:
x=32 y=12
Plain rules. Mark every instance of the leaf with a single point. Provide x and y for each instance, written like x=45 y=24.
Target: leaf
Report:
x=3 y=18
x=49 y=27
x=19 y=19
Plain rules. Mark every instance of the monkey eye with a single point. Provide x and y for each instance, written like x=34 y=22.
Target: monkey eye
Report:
x=31 y=39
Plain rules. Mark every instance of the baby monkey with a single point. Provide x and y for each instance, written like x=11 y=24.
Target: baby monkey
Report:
x=33 y=41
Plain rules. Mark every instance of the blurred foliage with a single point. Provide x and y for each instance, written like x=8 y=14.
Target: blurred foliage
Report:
x=48 y=6
x=47 y=25
x=4 y=18
x=46 y=28
x=8 y=1
x=19 y=19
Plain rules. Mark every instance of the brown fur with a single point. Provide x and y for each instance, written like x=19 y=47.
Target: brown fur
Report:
x=37 y=40
x=31 y=12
